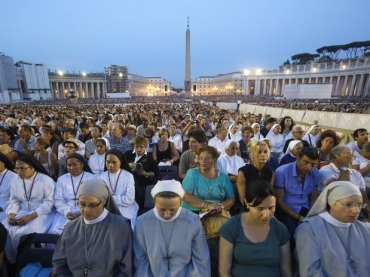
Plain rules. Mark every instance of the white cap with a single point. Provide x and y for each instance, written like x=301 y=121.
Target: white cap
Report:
x=168 y=185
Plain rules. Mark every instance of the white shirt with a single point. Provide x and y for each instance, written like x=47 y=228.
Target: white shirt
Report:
x=330 y=172
x=176 y=139
x=218 y=144
x=362 y=163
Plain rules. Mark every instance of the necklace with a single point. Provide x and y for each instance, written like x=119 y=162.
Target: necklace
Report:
x=110 y=184
x=28 y=196
x=86 y=265
x=167 y=244
x=75 y=190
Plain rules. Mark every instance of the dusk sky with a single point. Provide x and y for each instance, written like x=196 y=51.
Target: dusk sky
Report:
x=149 y=36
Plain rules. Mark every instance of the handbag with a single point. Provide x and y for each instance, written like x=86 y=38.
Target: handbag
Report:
x=213 y=222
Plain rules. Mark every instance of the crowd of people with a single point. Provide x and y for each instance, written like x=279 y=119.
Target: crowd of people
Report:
x=252 y=190
x=342 y=104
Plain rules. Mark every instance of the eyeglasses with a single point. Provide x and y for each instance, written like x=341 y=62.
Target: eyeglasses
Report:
x=90 y=206
x=349 y=206
x=313 y=152
x=21 y=169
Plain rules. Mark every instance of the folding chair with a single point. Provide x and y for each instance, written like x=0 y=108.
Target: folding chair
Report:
x=32 y=249
x=168 y=172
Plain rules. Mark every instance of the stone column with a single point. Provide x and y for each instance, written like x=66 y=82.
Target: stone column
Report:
x=343 y=92
x=367 y=86
x=359 y=86
x=351 y=88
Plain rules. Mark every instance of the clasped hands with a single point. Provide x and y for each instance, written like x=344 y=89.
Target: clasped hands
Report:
x=21 y=221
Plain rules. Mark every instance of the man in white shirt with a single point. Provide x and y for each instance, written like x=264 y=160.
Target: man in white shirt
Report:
x=174 y=137
x=340 y=158
x=219 y=141
x=361 y=136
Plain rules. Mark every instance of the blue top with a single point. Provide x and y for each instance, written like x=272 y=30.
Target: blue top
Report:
x=213 y=190
x=295 y=193
x=261 y=259
x=123 y=144
x=30 y=145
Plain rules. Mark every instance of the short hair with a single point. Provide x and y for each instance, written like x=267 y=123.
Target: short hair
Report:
x=294 y=129
x=247 y=128
x=360 y=130
x=99 y=128
x=311 y=152
x=140 y=140
x=71 y=131
x=26 y=128
x=44 y=142
x=84 y=125
x=198 y=135
x=336 y=150
x=47 y=129
x=149 y=131
x=219 y=127
x=210 y=149
x=254 y=147
x=258 y=191
x=162 y=131
x=327 y=134
x=8 y=132
x=270 y=120
x=119 y=125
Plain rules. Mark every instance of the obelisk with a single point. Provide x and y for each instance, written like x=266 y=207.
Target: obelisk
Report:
x=187 y=65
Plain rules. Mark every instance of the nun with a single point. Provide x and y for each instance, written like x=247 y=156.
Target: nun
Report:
x=291 y=153
x=121 y=184
x=169 y=240
x=66 y=191
x=276 y=140
x=229 y=162
x=7 y=174
x=97 y=160
x=31 y=203
x=99 y=242
x=330 y=241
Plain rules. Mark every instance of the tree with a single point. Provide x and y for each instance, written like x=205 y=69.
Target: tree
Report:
x=331 y=51
x=304 y=58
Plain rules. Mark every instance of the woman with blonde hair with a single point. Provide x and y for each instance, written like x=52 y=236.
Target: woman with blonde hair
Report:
x=255 y=170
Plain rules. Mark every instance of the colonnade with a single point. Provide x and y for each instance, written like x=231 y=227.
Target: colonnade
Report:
x=343 y=85
x=61 y=89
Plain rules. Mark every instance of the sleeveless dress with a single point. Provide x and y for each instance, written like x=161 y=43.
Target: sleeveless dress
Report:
x=164 y=155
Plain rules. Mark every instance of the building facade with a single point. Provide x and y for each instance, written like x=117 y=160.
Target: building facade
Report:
x=349 y=78
x=9 y=86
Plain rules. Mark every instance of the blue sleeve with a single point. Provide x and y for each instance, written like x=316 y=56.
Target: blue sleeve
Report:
x=279 y=178
x=189 y=180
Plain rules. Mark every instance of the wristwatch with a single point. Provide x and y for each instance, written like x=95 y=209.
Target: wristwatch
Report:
x=344 y=168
